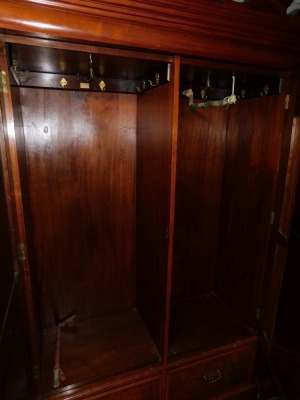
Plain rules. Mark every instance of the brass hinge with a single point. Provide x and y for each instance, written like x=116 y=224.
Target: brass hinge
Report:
x=258 y=314
x=272 y=217
x=3 y=82
x=286 y=102
x=21 y=252
x=35 y=372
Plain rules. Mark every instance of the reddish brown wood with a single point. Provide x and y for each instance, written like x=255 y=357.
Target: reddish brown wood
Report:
x=74 y=178
x=7 y=263
x=98 y=349
x=199 y=175
x=278 y=243
x=252 y=160
x=154 y=143
x=145 y=391
x=240 y=392
x=13 y=368
x=83 y=222
x=121 y=384
x=291 y=179
x=202 y=323
x=28 y=304
x=43 y=66
x=176 y=83
x=197 y=380
x=268 y=39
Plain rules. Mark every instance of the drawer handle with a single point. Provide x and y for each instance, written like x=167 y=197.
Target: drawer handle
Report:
x=213 y=377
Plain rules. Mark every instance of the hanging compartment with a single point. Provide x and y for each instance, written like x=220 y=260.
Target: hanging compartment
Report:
x=83 y=189
x=227 y=164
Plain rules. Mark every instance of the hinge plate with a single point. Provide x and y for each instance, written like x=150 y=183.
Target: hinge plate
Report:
x=3 y=82
x=21 y=252
x=258 y=314
x=286 y=102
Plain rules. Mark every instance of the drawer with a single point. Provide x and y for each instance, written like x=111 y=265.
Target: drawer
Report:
x=208 y=378
x=149 y=390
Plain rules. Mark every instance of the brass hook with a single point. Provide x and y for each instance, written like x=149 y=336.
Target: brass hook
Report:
x=265 y=91
x=143 y=86
x=156 y=80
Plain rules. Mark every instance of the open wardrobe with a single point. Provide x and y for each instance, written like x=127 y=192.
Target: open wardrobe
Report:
x=149 y=166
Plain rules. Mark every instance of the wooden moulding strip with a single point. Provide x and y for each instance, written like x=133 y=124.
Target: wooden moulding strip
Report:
x=265 y=39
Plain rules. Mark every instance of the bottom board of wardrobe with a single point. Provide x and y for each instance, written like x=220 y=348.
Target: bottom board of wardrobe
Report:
x=202 y=323
x=96 y=349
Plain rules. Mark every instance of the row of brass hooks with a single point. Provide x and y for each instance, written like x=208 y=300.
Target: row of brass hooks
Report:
x=143 y=83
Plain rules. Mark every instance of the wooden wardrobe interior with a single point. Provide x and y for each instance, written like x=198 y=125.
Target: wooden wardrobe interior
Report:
x=147 y=221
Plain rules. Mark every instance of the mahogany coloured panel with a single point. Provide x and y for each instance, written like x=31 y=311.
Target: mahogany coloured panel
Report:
x=80 y=150
x=200 y=159
x=253 y=143
x=154 y=143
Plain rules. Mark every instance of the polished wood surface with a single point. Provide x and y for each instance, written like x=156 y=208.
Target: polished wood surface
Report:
x=199 y=174
x=7 y=263
x=100 y=183
x=149 y=390
x=286 y=349
x=13 y=368
x=253 y=145
x=268 y=39
x=18 y=235
x=293 y=168
x=98 y=349
x=40 y=65
x=85 y=243
x=154 y=142
x=213 y=375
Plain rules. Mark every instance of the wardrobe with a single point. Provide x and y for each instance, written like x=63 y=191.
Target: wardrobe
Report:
x=142 y=218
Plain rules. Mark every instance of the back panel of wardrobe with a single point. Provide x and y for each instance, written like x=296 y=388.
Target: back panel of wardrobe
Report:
x=80 y=150
x=200 y=160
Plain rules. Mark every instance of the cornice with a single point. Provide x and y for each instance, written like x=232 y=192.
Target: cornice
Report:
x=207 y=29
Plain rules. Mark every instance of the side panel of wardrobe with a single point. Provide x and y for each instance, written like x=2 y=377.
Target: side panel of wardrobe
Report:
x=154 y=152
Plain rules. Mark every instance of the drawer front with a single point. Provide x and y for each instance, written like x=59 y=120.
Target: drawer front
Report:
x=210 y=377
x=149 y=390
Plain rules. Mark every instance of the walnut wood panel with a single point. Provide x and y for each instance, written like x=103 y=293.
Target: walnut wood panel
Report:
x=251 y=166
x=200 y=159
x=213 y=375
x=81 y=164
x=268 y=39
x=154 y=145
